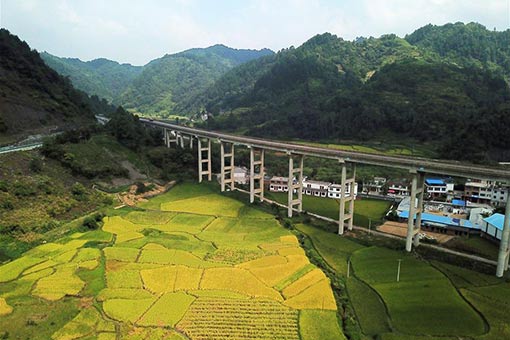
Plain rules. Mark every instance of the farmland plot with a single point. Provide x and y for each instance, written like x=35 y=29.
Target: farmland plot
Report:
x=197 y=264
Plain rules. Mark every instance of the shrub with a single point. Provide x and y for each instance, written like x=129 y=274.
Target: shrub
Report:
x=35 y=165
x=78 y=190
x=4 y=186
x=90 y=223
x=93 y=222
x=23 y=189
x=7 y=204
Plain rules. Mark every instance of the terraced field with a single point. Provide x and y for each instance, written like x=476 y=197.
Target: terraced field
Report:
x=194 y=265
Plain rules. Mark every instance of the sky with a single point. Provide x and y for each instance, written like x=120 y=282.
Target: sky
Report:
x=136 y=32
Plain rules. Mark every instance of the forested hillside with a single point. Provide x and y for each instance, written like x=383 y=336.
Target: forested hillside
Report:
x=374 y=89
x=168 y=85
x=102 y=77
x=33 y=97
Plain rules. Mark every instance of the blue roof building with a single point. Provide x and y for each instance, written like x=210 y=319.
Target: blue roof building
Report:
x=493 y=225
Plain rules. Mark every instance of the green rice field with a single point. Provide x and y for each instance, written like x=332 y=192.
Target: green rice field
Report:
x=432 y=300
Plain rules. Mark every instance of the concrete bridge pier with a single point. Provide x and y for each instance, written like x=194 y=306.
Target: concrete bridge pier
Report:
x=204 y=159
x=227 y=165
x=179 y=139
x=190 y=142
x=298 y=186
x=504 y=245
x=344 y=183
x=169 y=137
x=415 y=208
x=256 y=173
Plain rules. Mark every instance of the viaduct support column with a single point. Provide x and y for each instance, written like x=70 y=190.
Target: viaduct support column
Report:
x=256 y=174
x=227 y=165
x=344 y=184
x=415 y=208
x=297 y=186
x=169 y=137
x=504 y=245
x=179 y=140
x=204 y=157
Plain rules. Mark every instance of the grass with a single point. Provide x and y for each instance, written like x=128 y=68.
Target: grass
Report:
x=364 y=209
x=319 y=324
x=475 y=245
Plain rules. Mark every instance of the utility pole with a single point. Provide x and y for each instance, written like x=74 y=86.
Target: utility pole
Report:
x=348 y=266
x=398 y=270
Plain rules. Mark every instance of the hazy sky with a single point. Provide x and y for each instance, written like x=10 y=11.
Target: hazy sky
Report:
x=138 y=31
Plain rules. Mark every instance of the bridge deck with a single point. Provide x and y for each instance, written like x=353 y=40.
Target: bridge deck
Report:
x=430 y=166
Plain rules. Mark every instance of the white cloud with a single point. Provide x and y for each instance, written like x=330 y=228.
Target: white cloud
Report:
x=137 y=31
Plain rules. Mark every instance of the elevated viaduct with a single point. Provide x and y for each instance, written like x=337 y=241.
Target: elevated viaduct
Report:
x=417 y=167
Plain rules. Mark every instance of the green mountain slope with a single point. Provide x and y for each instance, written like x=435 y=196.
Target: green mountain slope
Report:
x=170 y=84
x=470 y=44
x=102 y=77
x=373 y=89
x=33 y=97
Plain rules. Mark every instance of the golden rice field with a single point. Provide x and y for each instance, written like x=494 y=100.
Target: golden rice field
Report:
x=194 y=265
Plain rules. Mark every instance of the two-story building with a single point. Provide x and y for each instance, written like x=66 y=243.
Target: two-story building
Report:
x=315 y=188
x=335 y=190
x=436 y=187
x=399 y=189
x=374 y=186
x=279 y=184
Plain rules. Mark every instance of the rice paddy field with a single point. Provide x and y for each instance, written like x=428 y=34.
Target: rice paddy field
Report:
x=189 y=264
x=432 y=300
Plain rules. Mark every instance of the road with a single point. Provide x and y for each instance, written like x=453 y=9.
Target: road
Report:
x=430 y=166
x=15 y=148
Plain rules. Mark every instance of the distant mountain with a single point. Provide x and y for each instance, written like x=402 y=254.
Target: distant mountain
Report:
x=33 y=96
x=169 y=84
x=164 y=86
x=377 y=88
x=102 y=77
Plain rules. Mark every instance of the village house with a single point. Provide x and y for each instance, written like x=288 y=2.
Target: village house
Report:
x=436 y=187
x=399 y=189
x=241 y=175
x=476 y=191
x=374 y=186
x=335 y=190
x=315 y=188
x=492 y=226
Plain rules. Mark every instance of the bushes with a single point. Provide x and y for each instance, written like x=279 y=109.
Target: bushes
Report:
x=35 y=165
x=79 y=191
x=93 y=222
x=23 y=189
